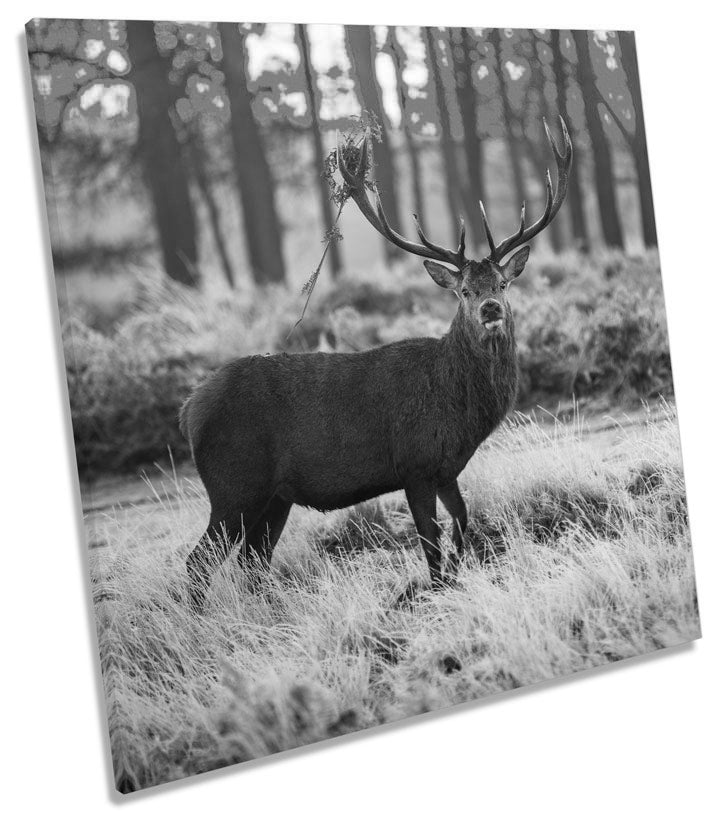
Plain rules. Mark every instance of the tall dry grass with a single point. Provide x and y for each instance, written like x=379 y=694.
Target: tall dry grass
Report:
x=579 y=556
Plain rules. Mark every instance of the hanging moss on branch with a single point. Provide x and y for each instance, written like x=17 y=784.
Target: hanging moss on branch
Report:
x=365 y=126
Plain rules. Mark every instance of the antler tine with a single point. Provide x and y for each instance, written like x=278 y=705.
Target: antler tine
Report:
x=377 y=218
x=364 y=154
x=457 y=257
x=427 y=249
x=424 y=239
x=461 y=243
x=551 y=139
x=342 y=167
x=521 y=229
x=549 y=200
x=553 y=201
x=488 y=232
x=566 y=136
x=356 y=182
x=559 y=157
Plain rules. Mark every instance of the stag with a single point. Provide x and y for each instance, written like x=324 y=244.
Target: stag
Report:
x=328 y=430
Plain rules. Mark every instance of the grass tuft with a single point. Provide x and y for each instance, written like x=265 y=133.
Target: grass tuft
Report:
x=580 y=556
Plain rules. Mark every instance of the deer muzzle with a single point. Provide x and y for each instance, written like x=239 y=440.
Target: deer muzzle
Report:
x=492 y=315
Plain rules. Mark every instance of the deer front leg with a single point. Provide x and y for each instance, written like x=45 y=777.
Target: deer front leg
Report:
x=422 y=500
x=453 y=501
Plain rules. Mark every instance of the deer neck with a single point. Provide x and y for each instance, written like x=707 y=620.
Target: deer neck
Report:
x=480 y=373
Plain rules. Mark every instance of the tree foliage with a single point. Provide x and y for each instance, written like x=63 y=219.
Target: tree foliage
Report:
x=227 y=120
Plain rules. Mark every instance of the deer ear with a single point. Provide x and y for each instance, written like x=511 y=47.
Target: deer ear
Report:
x=441 y=275
x=516 y=264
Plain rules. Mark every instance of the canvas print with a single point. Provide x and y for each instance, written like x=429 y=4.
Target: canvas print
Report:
x=368 y=370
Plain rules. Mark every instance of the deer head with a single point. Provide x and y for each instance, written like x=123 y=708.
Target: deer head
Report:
x=481 y=286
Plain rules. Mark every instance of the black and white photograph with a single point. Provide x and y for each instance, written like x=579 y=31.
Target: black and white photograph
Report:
x=368 y=371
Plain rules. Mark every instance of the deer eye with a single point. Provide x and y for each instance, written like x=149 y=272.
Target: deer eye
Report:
x=503 y=284
x=465 y=292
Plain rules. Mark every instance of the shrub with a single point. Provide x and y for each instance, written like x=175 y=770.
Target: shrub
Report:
x=591 y=328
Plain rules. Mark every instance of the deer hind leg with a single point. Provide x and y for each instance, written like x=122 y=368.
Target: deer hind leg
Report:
x=223 y=531
x=260 y=540
x=452 y=500
x=422 y=500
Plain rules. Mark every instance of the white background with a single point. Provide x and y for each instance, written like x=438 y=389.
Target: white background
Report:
x=637 y=739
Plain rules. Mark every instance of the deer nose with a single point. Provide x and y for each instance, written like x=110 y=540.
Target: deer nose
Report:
x=491 y=310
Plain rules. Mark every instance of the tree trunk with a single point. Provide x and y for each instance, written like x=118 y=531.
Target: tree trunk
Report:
x=162 y=162
x=197 y=158
x=362 y=54
x=447 y=146
x=314 y=113
x=604 y=175
x=518 y=178
x=537 y=152
x=461 y=48
x=575 y=197
x=415 y=168
x=638 y=144
x=255 y=183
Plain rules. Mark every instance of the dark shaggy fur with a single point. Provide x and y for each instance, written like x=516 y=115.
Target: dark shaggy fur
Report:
x=328 y=430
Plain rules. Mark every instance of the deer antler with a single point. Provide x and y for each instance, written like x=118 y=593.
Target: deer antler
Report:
x=554 y=198
x=376 y=216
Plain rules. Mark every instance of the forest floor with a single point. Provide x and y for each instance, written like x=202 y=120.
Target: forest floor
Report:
x=579 y=555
